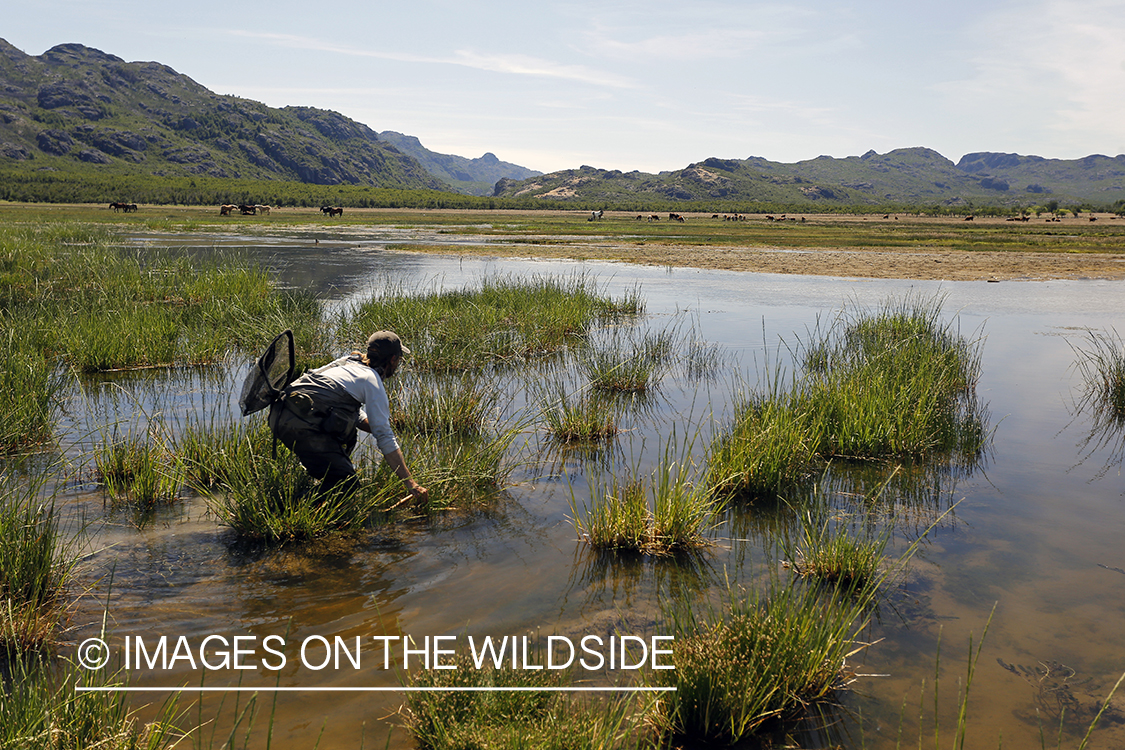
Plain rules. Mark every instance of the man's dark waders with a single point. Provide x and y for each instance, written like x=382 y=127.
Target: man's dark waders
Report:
x=316 y=419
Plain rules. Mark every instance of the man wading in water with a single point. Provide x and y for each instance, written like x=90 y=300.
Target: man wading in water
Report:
x=318 y=414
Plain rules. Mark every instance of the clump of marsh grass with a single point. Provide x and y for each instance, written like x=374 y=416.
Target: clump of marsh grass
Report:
x=828 y=552
x=36 y=562
x=890 y=384
x=769 y=448
x=140 y=470
x=207 y=453
x=663 y=514
x=758 y=660
x=502 y=319
x=459 y=472
x=621 y=363
x=511 y=708
x=577 y=417
x=456 y=405
x=274 y=500
x=42 y=710
x=1101 y=365
x=29 y=384
x=98 y=306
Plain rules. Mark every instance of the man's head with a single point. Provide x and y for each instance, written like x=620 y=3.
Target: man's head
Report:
x=385 y=351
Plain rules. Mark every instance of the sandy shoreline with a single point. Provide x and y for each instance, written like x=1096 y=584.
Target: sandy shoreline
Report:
x=951 y=265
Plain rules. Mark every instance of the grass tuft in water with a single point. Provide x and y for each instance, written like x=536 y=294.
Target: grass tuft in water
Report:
x=827 y=552
x=455 y=405
x=140 y=470
x=759 y=660
x=36 y=562
x=578 y=417
x=663 y=514
x=1101 y=365
x=29 y=385
x=496 y=719
x=42 y=710
x=273 y=499
x=620 y=363
x=890 y=383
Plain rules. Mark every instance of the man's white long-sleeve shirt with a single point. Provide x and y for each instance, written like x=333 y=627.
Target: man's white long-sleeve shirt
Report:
x=366 y=386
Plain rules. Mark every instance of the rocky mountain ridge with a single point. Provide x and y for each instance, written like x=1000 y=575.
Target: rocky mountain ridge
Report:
x=74 y=107
x=918 y=176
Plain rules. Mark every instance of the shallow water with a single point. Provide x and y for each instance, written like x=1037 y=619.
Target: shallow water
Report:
x=1036 y=534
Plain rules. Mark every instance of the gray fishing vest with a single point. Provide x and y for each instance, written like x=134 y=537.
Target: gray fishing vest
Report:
x=317 y=402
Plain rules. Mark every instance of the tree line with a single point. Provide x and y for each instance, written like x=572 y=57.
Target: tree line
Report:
x=20 y=186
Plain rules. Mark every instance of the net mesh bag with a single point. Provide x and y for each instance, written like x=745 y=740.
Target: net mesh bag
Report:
x=268 y=375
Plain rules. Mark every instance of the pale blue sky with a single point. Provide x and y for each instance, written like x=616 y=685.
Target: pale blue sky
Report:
x=650 y=85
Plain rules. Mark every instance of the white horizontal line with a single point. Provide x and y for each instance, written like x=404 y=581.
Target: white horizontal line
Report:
x=87 y=689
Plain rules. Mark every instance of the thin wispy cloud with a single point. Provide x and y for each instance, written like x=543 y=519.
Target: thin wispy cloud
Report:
x=511 y=64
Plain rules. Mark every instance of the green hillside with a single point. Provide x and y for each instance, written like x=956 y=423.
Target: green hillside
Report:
x=76 y=109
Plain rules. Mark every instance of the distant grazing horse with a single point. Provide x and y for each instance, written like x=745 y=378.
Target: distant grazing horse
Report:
x=334 y=211
x=126 y=207
x=226 y=208
x=264 y=210
x=247 y=209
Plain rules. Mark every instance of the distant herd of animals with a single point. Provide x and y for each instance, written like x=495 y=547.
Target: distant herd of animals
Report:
x=252 y=209
x=246 y=209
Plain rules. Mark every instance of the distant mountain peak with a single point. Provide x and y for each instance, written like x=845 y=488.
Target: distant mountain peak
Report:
x=473 y=176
